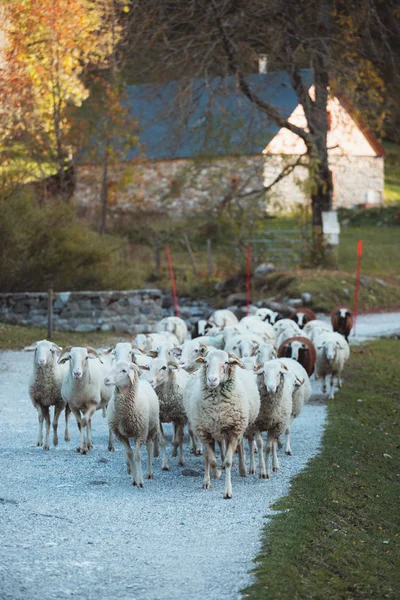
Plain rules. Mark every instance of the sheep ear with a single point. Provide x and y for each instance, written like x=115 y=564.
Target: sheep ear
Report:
x=138 y=350
x=153 y=353
x=284 y=367
x=173 y=365
x=274 y=355
x=31 y=348
x=56 y=347
x=203 y=349
x=200 y=359
x=254 y=351
x=298 y=382
x=235 y=360
x=258 y=369
x=177 y=352
x=109 y=350
x=93 y=354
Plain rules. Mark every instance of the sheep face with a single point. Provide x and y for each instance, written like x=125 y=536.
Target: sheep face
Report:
x=330 y=350
x=218 y=366
x=265 y=352
x=295 y=349
x=267 y=315
x=123 y=374
x=159 y=371
x=78 y=359
x=245 y=348
x=274 y=372
x=44 y=352
x=189 y=353
x=123 y=351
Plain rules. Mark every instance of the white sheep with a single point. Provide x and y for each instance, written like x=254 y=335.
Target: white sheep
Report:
x=133 y=413
x=243 y=344
x=264 y=353
x=267 y=315
x=169 y=382
x=45 y=389
x=222 y=318
x=260 y=328
x=276 y=385
x=301 y=393
x=314 y=328
x=151 y=341
x=220 y=406
x=332 y=353
x=84 y=390
x=286 y=331
x=174 y=325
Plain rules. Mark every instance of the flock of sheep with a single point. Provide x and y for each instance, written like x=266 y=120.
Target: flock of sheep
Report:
x=233 y=381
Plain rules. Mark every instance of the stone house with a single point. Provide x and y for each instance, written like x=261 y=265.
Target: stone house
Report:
x=202 y=142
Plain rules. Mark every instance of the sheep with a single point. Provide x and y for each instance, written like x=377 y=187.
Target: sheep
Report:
x=265 y=352
x=243 y=345
x=84 y=390
x=222 y=318
x=189 y=352
x=276 y=386
x=267 y=315
x=300 y=349
x=45 y=389
x=302 y=316
x=133 y=413
x=169 y=382
x=174 y=325
x=313 y=329
x=301 y=394
x=332 y=353
x=289 y=330
x=153 y=340
x=260 y=328
x=198 y=328
x=342 y=322
x=220 y=406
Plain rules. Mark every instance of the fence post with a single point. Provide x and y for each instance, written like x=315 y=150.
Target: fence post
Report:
x=248 y=280
x=209 y=258
x=49 y=313
x=190 y=252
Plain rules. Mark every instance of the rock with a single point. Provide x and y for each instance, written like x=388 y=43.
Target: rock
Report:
x=190 y=473
x=346 y=292
x=85 y=327
x=306 y=297
x=238 y=299
x=264 y=269
x=295 y=302
x=381 y=281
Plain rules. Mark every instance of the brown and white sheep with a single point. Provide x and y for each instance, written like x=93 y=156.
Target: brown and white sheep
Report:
x=302 y=316
x=301 y=349
x=342 y=321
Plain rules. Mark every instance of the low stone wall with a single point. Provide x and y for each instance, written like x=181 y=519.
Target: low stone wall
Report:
x=132 y=311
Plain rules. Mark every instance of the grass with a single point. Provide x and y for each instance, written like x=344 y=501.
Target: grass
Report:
x=392 y=172
x=14 y=337
x=337 y=534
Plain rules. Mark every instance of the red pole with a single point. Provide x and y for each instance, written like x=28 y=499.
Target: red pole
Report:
x=359 y=254
x=248 y=279
x=171 y=274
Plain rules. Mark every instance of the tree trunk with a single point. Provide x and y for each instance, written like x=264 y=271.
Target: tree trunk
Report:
x=104 y=195
x=321 y=196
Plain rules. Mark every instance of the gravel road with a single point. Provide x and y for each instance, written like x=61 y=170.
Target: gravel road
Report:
x=73 y=526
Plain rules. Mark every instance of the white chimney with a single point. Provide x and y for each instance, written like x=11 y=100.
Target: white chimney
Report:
x=263 y=63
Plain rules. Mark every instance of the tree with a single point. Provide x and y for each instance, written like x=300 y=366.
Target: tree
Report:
x=201 y=38
x=50 y=46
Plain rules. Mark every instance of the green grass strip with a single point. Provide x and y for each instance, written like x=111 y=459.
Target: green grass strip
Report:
x=339 y=533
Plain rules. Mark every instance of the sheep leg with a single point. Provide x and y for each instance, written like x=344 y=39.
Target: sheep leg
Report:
x=156 y=449
x=57 y=411
x=195 y=447
x=210 y=461
x=230 y=448
x=174 y=443
x=252 y=469
x=207 y=480
x=130 y=467
x=67 y=416
x=288 y=449
x=82 y=445
x=268 y=454
x=262 y=473
x=242 y=459
x=165 y=463
x=46 y=415
x=138 y=463
x=89 y=434
x=275 y=461
x=222 y=449
x=111 y=447
x=40 y=429
x=87 y=420
x=324 y=384
x=178 y=442
x=149 y=446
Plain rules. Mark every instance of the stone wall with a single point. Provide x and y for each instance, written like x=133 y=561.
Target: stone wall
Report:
x=133 y=311
x=182 y=186
x=188 y=186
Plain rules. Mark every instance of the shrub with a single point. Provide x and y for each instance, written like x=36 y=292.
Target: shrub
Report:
x=47 y=246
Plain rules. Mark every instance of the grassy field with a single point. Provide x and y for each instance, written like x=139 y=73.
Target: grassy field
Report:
x=392 y=172
x=14 y=337
x=337 y=534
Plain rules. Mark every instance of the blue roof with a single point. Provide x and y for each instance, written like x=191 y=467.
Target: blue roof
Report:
x=217 y=121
